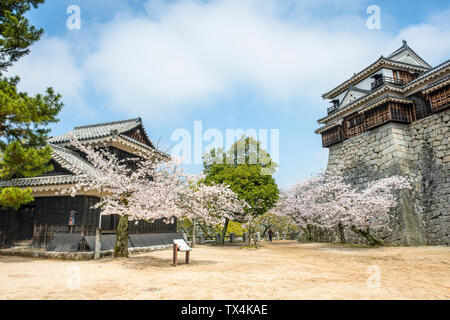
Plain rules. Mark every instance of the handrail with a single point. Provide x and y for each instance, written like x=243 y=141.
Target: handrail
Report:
x=332 y=109
x=384 y=79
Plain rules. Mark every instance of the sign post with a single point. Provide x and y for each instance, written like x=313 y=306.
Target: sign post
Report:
x=180 y=245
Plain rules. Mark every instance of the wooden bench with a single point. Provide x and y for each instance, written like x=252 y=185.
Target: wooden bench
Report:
x=180 y=245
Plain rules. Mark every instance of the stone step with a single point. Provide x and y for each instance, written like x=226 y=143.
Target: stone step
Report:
x=22 y=244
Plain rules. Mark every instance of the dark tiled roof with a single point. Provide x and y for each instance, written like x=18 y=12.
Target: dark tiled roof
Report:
x=65 y=158
x=99 y=130
x=72 y=161
x=40 y=181
x=381 y=60
x=347 y=106
x=385 y=97
x=436 y=83
x=430 y=72
x=439 y=67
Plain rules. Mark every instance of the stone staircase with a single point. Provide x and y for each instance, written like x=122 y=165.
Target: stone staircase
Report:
x=22 y=245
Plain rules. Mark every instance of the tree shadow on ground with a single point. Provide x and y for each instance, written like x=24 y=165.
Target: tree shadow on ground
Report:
x=347 y=247
x=15 y=259
x=145 y=261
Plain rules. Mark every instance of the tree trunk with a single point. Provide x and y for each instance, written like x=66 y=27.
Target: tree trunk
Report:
x=370 y=238
x=309 y=233
x=224 y=231
x=264 y=232
x=341 y=233
x=121 y=247
x=98 y=243
x=193 y=233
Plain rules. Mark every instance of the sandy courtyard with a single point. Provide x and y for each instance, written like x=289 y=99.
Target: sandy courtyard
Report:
x=281 y=270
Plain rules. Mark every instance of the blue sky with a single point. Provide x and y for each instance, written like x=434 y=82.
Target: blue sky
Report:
x=259 y=64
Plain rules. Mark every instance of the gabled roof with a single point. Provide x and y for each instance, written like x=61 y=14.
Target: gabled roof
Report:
x=354 y=89
x=434 y=72
x=407 y=49
x=100 y=130
x=67 y=159
x=77 y=165
x=375 y=66
x=376 y=92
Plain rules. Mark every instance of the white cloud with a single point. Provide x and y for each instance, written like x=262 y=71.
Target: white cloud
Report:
x=430 y=39
x=51 y=64
x=183 y=55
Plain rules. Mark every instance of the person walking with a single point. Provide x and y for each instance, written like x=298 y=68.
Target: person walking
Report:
x=270 y=235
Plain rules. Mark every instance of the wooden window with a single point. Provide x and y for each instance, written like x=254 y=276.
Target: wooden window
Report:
x=356 y=121
x=399 y=112
x=376 y=116
x=353 y=125
x=406 y=76
x=440 y=99
x=332 y=136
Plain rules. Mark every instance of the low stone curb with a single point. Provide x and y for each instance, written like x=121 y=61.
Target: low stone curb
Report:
x=76 y=255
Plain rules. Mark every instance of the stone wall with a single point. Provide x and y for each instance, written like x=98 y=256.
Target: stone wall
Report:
x=421 y=148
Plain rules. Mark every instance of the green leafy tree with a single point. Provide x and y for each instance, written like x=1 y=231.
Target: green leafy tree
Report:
x=269 y=220
x=247 y=169
x=16 y=34
x=23 y=118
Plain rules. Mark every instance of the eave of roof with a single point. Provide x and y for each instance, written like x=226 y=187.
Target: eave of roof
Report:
x=143 y=145
x=441 y=68
x=41 y=181
x=99 y=130
x=328 y=126
x=437 y=85
x=374 y=67
x=378 y=91
x=379 y=101
x=76 y=164
x=107 y=131
x=373 y=104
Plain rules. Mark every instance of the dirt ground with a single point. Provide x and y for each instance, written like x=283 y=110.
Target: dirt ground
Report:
x=281 y=270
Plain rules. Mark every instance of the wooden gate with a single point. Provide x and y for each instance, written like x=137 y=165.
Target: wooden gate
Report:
x=24 y=223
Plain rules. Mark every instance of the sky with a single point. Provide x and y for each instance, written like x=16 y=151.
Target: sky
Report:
x=228 y=64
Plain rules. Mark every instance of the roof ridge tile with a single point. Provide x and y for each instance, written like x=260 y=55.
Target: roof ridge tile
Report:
x=138 y=119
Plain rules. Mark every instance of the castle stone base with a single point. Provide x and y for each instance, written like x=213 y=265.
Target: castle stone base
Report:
x=421 y=148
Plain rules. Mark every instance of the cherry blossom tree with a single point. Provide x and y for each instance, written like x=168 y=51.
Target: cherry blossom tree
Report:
x=210 y=204
x=373 y=206
x=303 y=204
x=327 y=202
x=151 y=188
x=135 y=189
